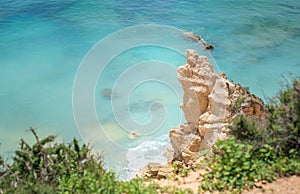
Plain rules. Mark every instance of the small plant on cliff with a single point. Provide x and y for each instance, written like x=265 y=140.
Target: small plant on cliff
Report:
x=180 y=169
x=230 y=168
x=280 y=127
x=261 y=149
x=236 y=105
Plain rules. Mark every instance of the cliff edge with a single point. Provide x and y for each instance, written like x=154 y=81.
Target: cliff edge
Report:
x=210 y=101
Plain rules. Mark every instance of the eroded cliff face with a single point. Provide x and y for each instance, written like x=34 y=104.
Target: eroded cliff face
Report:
x=209 y=102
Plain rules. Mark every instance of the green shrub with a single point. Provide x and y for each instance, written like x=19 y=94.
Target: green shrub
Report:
x=38 y=168
x=249 y=130
x=261 y=149
x=236 y=166
x=230 y=168
x=284 y=119
x=48 y=167
x=280 y=127
x=91 y=179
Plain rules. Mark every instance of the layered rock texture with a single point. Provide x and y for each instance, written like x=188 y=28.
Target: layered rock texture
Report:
x=210 y=101
x=154 y=170
x=209 y=104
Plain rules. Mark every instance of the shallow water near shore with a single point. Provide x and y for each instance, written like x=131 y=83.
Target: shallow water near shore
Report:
x=42 y=44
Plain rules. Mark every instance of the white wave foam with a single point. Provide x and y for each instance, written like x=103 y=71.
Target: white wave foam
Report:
x=149 y=151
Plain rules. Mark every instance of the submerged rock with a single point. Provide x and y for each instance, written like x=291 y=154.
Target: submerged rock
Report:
x=107 y=93
x=209 y=102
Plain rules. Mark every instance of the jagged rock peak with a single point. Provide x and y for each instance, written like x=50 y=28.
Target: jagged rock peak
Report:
x=209 y=102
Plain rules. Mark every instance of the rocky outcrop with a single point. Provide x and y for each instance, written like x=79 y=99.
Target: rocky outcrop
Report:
x=194 y=37
x=209 y=102
x=154 y=170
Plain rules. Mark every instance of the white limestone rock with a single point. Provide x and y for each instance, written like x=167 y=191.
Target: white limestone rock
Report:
x=207 y=106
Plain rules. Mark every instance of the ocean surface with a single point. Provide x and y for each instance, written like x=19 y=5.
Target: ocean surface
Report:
x=44 y=45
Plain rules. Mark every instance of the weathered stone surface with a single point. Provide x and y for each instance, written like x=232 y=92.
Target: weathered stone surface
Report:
x=149 y=171
x=209 y=102
x=164 y=172
x=154 y=170
x=185 y=140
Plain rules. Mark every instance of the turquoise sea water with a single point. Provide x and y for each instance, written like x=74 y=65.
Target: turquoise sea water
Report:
x=42 y=43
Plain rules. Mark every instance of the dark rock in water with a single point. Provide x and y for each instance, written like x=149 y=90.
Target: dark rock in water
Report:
x=191 y=36
x=107 y=92
x=207 y=46
x=144 y=105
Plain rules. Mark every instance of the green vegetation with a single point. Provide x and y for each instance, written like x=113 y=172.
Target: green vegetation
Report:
x=48 y=167
x=180 y=168
x=281 y=126
x=260 y=148
x=237 y=104
x=236 y=166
